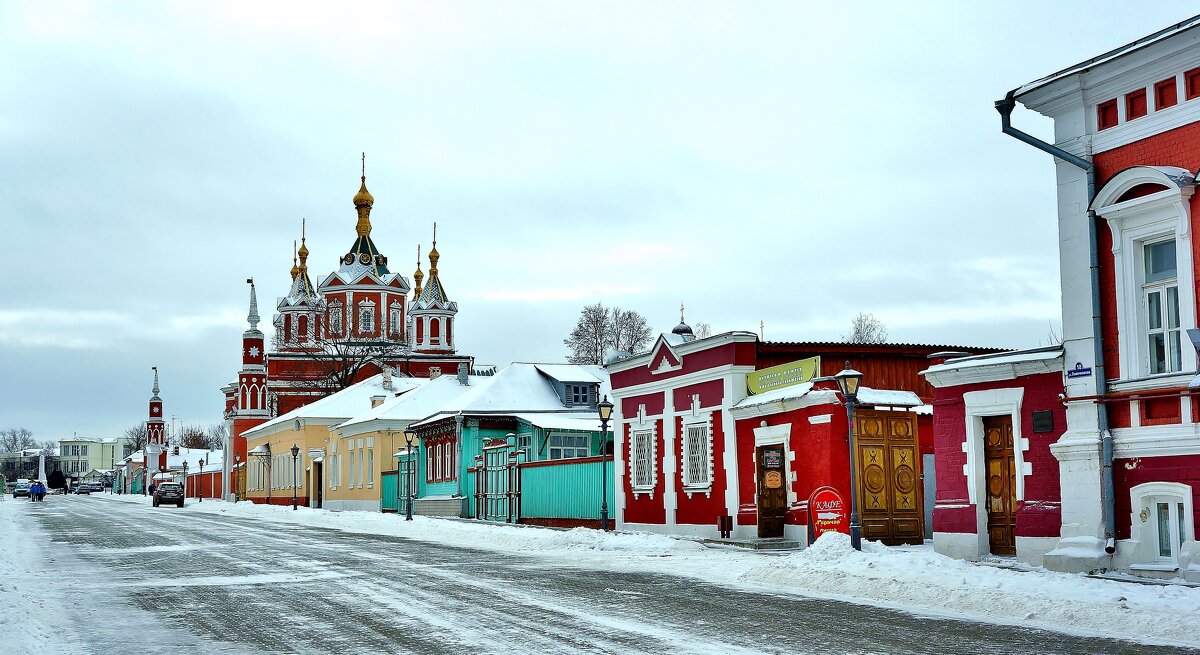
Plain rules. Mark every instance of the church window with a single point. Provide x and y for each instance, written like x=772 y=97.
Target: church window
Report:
x=302 y=331
x=366 y=318
x=435 y=331
x=394 y=321
x=335 y=318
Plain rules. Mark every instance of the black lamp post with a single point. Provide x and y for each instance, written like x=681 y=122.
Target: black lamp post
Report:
x=185 y=477
x=848 y=380
x=605 y=409
x=410 y=440
x=200 y=482
x=295 y=456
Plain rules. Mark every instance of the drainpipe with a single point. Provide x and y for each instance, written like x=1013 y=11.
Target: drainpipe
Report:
x=458 y=473
x=1005 y=107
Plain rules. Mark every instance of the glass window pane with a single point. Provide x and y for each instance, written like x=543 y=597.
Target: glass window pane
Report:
x=1164 y=530
x=1183 y=536
x=1172 y=307
x=1176 y=355
x=1158 y=361
x=1160 y=260
x=1154 y=310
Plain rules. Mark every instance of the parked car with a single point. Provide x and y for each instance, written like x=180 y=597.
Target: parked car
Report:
x=169 y=492
x=82 y=489
x=95 y=487
x=21 y=490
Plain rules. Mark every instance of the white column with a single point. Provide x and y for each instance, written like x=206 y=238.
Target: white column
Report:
x=670 y=465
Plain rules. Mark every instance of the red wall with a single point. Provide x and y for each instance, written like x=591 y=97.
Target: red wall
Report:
x=1128 y=473
x=645 y=508
x=702 y=508
x=822 y=457
x=1040 y=514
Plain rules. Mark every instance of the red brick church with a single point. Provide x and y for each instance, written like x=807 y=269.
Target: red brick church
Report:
x=321 y=332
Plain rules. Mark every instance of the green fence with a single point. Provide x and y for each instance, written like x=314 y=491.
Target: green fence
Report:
x=565 y=489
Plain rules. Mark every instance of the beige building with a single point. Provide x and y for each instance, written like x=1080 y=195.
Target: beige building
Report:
x=79 y=456
x=353 y=468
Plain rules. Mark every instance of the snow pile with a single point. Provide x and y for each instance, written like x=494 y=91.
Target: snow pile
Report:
x=913 y=579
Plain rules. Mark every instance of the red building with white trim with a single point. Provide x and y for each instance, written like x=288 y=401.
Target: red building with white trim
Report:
x=1127 y=465
x=693 y=445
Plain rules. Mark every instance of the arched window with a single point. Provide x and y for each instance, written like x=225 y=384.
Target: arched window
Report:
x=394 y=321
x=335 y=318
x=435 y=331
x=302 y=330
x=420 y=331
x=287 y=327
x=366 y=317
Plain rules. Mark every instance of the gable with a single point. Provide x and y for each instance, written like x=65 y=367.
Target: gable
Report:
x=663 y=358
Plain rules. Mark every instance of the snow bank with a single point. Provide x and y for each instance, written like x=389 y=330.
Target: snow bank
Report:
x=913 y=579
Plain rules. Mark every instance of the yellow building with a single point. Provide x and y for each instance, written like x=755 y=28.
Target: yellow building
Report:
x=271 y=471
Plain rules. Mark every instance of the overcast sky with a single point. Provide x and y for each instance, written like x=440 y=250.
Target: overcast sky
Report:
x=764 y=162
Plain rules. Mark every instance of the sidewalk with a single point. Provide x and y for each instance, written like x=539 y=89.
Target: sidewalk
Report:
x=910 y=579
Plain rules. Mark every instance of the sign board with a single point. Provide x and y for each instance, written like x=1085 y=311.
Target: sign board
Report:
x=1043 y=421
x=772 y=459
x=827 y=512
x=784 y=375
x=1080 y=371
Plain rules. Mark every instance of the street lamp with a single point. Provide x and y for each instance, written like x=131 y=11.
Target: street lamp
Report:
x=848 y=380
x=185 y=478
x=410 y=440
x=199 y=482
x=295 y=455
x=605 y=409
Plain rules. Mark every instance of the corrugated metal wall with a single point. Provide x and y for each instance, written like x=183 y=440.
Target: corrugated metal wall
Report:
x=567 y=490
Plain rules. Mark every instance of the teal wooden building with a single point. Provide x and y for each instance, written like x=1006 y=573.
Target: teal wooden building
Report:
x=524 y=445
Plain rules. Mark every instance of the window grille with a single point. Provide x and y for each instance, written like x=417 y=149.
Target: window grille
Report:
x=697 y=454
x=643 y=459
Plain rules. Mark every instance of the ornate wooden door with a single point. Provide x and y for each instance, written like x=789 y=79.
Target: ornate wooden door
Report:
x=772 y=490
x=1001 y=484
x=889 y=476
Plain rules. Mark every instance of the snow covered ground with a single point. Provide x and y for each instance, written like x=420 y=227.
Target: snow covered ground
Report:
x=911 y=579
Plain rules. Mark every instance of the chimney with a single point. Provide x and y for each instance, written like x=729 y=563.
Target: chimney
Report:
x=387 y=378
x=376 y=401
x=462 y=375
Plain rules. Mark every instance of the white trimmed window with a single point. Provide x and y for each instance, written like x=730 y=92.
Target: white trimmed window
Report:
x=568 y=446
x=643 y=472
x=1151 y=242
x=366 y=317
x=1160 y=303
x=1162 y=522
x=394 y=319
x=525 y=443
x=370 y=467
x=335 y=318
x=361 y=457
x=697 y=455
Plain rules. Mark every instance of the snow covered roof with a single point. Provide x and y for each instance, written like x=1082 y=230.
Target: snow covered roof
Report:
x=589 y=421
x=998 y=359
x=192 y=456
x=518 y=388
x=342 y=405
x=1108 y=56
x=571 y=373
x=866 y=396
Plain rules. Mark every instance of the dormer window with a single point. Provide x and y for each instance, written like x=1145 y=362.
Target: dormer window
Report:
x=581 y=394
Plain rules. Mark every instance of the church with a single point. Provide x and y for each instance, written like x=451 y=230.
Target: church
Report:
x=342 y=330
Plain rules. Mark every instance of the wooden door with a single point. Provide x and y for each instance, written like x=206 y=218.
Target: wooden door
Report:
x=772 y=490
x=1001 y=484
x=889 y=477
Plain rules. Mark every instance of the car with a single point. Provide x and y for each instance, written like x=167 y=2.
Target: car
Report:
x=21 y=490
x=95 y=487
x=168 y=492
x=82 y=489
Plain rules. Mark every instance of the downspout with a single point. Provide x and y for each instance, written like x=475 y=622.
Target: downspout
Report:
x=460 y=469
x=1005 y=107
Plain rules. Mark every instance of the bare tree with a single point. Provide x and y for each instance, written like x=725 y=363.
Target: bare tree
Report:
x=630 y=330
x=703 y=330
x=136 y=434
x=590 y=336
x=340 y=362
x=865 y=328
x=215 y=435
x=16 y=439
x=193 y=436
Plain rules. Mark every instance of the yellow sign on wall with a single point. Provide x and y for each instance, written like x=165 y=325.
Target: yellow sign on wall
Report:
x=784 y=375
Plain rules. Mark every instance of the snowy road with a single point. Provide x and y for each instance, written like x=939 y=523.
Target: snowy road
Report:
x=119 y=577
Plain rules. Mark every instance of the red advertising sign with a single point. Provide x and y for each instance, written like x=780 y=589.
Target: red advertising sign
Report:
x=827 y=512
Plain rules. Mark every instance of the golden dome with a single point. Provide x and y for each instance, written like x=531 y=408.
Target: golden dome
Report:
x=295 y=269
x=363 y=198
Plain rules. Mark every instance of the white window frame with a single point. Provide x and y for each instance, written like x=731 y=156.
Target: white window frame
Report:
x=651 y=456
x=335 y=318
x=1144 y=532
x=573 y=449
x=705 y=457
x=1162 y=288
x=394 y=320
x=366 y=317
x=1134 y=223
x=525 y=444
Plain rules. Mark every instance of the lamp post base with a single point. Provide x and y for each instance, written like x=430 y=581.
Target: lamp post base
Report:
x=855 y=532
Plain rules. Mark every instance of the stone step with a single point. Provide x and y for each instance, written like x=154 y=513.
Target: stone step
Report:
x=756 y=544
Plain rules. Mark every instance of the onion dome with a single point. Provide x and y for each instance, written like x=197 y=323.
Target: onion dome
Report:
x=683 y=329
x=418 y=275
x=295 y=268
